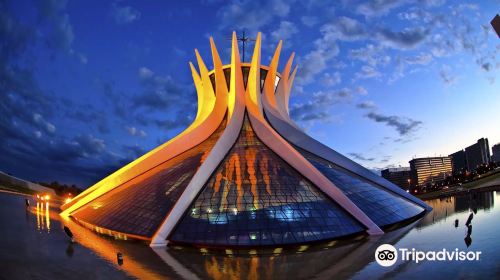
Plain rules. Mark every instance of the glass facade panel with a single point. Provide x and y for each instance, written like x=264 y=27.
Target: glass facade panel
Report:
x=255 y=198
x=139 y=207
x=382 y=206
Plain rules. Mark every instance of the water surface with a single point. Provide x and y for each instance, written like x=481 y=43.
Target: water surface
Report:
x=33 y=246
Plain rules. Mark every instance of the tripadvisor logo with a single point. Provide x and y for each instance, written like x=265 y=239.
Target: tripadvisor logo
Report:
x=387 y=255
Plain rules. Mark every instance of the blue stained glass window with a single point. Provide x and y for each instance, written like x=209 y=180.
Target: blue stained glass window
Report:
x=255 y=198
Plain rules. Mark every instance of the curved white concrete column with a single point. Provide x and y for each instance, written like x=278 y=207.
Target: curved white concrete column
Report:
x=218 y=152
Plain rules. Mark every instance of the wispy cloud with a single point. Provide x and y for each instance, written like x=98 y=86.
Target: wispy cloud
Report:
x=366 y=105
x=160 y=92
x=316 y=109
x=124 y=14
x=404 y=126
x=407 y=38
x=447 y=78
x=134 y=131
x=358 y=156
x=309 y=21
x=378 y=8
x=285 y=31
x=252 y=15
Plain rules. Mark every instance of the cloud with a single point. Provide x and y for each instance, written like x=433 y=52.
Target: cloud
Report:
x=145 y=73
x=309 y=21
x=410 y=15
x=317 y=107
x=367 y=72
x=408 y=38
x=160 y=92
x=86 y=113
x=486 y=66
x=433 y=3
x=331 y=79
x=89 y=144
x=378 y=8
x=314 y=62
x=134 y=131
x=47 y=126
x=83 y=58
x=361 y=90
x=125 y=14
x=401 y=65
x=371 y=54
x=421 y=59
x=252 y=15
x=284 y=32
x=404 y=126
x=346 y=29
x=446 y=77
x=134 y=151
x=366 y=105
x=53 y=14
x=180 y=120
x=358 y=156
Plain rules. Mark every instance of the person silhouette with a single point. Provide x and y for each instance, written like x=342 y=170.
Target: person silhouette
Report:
x=469 y=220
x=468 y=239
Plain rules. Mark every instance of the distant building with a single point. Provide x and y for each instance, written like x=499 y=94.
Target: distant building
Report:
x=398 y=176
x=428 y=170
x=496 y=153
x=478 y=154
x=459 y=161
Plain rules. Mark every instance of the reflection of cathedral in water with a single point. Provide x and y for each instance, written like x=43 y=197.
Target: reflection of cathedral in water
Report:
x=445 y=207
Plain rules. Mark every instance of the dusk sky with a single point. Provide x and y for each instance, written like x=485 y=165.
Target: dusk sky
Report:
x=88 y=86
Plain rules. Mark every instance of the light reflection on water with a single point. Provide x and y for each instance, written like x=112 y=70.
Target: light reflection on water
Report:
x=435 y=231
x=43 y=216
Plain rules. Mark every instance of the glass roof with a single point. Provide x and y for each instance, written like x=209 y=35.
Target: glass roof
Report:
x=255 y=198
x=382 y=206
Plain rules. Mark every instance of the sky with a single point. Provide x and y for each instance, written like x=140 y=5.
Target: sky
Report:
x=88 y=86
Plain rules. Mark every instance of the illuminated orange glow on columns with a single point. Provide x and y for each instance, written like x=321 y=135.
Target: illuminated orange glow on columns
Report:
x=225 y=192
x=250 y=160
x=218 y=179
x=263 y=170
x=233 y=165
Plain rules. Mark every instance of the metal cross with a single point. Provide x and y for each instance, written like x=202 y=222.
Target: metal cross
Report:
x=243 y=39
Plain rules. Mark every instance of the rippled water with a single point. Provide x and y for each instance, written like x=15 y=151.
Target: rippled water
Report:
x=33 y=245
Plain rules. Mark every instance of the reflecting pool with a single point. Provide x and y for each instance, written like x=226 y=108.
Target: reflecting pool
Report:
x=33 y=245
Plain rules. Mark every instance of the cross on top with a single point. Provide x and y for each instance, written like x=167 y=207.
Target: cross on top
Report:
x=244 y=39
